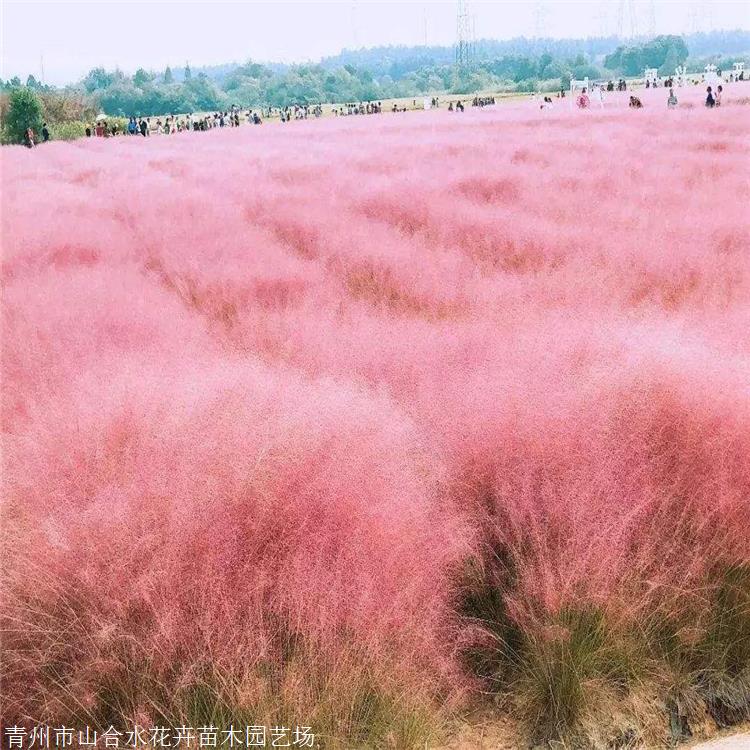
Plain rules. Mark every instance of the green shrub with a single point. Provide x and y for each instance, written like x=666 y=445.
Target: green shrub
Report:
x=723 y=655
x=70 y=130
x=67 y=131
x=24 y=111
x=566 y=666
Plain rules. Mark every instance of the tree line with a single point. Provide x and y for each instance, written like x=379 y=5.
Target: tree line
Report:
x=520 y=65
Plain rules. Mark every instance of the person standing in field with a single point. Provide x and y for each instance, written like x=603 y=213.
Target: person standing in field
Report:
x=583 y=100
x=710 y=101
x=45 y=132
x=672 y=101
x=719 y=92
x=144 y=127
x=28 y=138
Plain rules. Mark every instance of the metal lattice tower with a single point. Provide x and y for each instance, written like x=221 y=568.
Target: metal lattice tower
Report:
x=627 y=20
x=693 y=19
x=700 y=17
x=355 y=24
x=603 y=21
x=540 y=19
x=652 y=18
x=464 y=37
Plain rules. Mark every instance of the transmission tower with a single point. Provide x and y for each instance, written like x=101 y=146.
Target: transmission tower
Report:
x=652 y=18
x=355 y=24
x=464 y=37
x=601 y=17
x=700 y=17
x=540 y=19
x=627 y=20
x=707 y=13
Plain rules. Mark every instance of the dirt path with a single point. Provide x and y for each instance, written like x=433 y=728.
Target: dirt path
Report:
x=735 y=742
x=502 y=735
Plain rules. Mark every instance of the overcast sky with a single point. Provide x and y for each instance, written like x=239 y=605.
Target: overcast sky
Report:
x=70 y=38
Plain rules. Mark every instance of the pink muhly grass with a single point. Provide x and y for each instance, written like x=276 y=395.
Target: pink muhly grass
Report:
x=355 y=397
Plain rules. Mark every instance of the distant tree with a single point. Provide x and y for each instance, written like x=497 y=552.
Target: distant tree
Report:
x=586 y=71
x=202 y=94
x=633 y=60
x=15 y=82
x=24 y=111
x=32 y=83
x=141 y=77
x=613 y=61
x=97 y=79
x=188 y=72
x=544 y=62
x=122 y=98
x=671 y=61
x=555 y=69
x=168 y=77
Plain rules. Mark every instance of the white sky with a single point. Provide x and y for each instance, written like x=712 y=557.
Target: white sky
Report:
x=70 y=38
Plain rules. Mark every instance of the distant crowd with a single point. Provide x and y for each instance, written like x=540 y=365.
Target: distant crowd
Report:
x=172 y=124
x=145 y=126
x=583 y=101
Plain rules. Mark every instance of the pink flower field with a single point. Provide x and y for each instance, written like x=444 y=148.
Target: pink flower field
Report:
x=364 y=423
